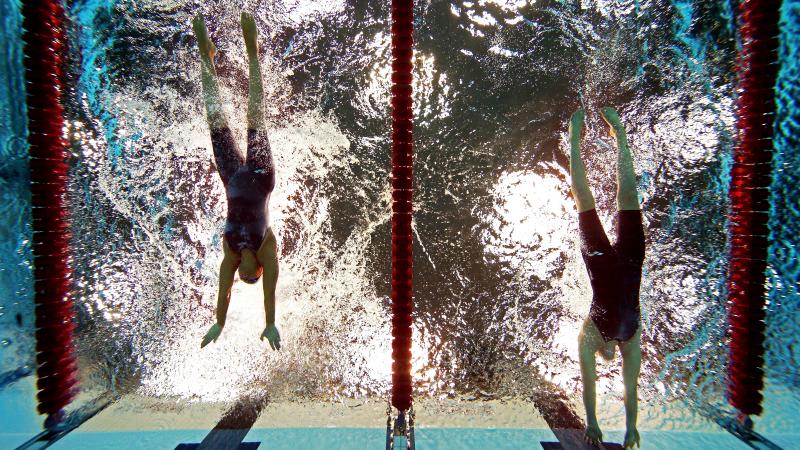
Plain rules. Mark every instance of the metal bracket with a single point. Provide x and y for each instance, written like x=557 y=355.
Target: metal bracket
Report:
x=400 y=429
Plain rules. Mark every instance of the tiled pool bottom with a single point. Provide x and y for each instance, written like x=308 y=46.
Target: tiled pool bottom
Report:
x=373 y=438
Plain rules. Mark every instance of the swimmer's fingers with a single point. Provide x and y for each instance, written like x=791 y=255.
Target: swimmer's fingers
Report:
x=273 y=337
x=212 y=335
x=593 y=436
x=264 y=335
x=593 y=442
x=631 y=438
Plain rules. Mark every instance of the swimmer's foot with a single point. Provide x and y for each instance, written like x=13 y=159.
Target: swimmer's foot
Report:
x=631 y=438
x=593 y=435
x=207 y=48
x=250 y=32
x=576 y=126
x=611 y=117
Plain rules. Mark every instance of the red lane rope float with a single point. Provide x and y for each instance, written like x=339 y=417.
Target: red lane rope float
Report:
x=749 y=198
x=43 y=37
x=402 y=189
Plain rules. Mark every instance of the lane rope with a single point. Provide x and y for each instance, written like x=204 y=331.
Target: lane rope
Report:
x=402 y=209
x=751 y=175
x=44 y=46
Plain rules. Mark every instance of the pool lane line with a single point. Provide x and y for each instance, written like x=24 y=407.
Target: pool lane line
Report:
x=402 y=182
x=565 y=424
x=73 y=420
x=234 y=425
x=12 y=376
x=740 y=431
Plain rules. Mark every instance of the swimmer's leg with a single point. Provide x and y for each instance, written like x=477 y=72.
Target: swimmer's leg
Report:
x=211 y=97
x=589 y=341
x=631 y=364
x=255 y=104
x=627 y=195
x=259 y=154
x=226 y=152
x=268 y=256
x=581 y=192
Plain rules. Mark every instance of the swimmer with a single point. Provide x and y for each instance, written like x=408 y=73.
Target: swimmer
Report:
x=615 y=272
x=248 y=242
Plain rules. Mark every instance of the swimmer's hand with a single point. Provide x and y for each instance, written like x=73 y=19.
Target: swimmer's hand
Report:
x=272 y=336
x=212 y=335
x=631 y=437
x=593 y=436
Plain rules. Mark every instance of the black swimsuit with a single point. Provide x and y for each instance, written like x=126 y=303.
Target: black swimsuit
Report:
x=248 y=185
x=615 y=272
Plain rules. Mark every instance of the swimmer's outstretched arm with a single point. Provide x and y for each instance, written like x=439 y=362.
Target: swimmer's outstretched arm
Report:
x=589 y=340
x=581 y=192
x=230 y=262
x=268 y=256
x=268 y=252
x=631 y=364
x=627 y=195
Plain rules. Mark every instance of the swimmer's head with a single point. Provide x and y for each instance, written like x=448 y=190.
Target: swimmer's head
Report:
x=250 y=269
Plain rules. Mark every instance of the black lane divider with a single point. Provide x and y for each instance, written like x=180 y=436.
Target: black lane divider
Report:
x=12 y=376
x=240 y=446
x=572 y=445
x=75 y=419
x=557 y=410
x=741 y=431
x=234 y=425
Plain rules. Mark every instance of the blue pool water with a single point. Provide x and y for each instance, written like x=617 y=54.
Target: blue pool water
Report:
x=500 y=289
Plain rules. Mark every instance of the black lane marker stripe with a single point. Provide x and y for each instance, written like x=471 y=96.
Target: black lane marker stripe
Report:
x=557 y=410
x=234 y=425
x=75 y=419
